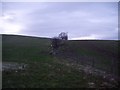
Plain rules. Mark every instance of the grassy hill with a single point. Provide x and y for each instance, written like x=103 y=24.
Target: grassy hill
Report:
x=61 y=70
x=21 y=48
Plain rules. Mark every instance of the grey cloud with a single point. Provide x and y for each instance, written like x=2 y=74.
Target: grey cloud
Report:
x=78 y=19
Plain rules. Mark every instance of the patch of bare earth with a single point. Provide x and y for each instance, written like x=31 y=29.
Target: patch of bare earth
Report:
x=13 y=66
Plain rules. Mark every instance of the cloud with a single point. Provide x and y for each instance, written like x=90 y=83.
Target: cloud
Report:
x=90 y=37
x=9 y=26
x=81 y=20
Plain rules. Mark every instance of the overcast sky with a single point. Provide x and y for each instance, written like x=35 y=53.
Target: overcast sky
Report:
x=88 y=20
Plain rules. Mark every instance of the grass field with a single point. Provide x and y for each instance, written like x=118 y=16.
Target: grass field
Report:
x=62 y=70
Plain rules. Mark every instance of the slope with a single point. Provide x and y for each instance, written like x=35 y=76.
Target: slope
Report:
x=62 y=70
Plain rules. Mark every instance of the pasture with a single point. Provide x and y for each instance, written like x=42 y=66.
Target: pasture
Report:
x=78 y=64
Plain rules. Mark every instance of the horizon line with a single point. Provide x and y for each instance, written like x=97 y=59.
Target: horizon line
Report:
x=52 y=37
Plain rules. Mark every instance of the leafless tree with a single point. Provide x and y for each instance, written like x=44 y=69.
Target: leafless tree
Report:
x=56 y=42
x=63 y=36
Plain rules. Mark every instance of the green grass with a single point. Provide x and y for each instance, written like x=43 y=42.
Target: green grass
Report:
x=102 y=52
x=46 y=71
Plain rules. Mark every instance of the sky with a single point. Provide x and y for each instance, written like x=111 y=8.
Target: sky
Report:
x=81 y=20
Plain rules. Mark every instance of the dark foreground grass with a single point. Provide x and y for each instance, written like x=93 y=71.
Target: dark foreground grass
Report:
x=48 y=74
x=44 y=75
x=46 y=71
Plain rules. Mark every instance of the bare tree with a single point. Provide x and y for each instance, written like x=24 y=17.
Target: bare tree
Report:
x=56 y=42
x=63 y=36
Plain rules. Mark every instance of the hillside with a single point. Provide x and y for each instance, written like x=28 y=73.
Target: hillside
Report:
x=61 y=70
